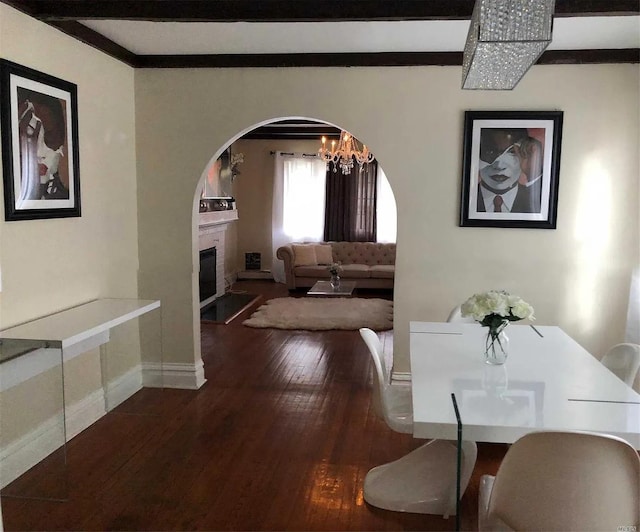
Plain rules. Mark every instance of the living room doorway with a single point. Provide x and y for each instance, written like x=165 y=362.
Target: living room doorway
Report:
x=248 y=216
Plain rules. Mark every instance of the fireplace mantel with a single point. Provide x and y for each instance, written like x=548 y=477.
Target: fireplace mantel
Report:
x=217 y=217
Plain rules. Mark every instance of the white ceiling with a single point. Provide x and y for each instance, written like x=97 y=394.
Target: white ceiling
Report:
x=176 y=38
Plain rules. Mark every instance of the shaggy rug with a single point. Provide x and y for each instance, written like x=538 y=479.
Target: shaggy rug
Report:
x=323 y=314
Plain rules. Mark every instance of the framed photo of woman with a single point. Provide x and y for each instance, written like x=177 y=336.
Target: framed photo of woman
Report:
x=39 y=120
x=511 y=168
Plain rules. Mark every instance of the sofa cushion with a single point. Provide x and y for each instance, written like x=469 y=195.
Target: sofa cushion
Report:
x=383 y=271
x=304 y=255
x=364 y=253
x=355 y=271
x=324 y=254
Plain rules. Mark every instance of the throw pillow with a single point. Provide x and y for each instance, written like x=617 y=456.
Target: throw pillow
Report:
x=304 y=255
x=324 y=254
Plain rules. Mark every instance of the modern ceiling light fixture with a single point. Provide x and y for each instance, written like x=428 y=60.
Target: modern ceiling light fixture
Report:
x=506 y=37
x=345 y=153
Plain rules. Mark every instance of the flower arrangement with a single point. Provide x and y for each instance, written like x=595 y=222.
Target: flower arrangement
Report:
x=495 y=309
x=236 y=159
x=335 y=268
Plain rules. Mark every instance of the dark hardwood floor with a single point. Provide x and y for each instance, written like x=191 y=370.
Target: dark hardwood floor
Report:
x=279 y=438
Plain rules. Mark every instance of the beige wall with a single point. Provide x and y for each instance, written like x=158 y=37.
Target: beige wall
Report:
x=49 y=265
x=576 y=276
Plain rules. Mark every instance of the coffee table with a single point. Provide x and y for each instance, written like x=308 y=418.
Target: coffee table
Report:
x=324 y=289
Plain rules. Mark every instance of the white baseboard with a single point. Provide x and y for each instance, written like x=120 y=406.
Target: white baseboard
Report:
x=120 y=389
x=402 y=377
x=84 y=413
x=25 y=452
x=173 y=375
x=255 y=274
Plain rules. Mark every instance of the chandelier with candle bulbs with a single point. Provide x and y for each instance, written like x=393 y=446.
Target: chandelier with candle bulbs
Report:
x=345 y=153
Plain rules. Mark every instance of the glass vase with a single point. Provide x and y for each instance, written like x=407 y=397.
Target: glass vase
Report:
x=335 y=281
x=496 y=349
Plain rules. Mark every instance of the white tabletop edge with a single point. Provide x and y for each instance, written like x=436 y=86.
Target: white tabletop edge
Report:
x=108 y=313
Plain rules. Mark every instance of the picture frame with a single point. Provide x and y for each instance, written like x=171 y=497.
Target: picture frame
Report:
x=511 y=167
x=39 y=121
x=219 y=178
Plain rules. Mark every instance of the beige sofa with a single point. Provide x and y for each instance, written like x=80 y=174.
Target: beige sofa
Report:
x=370 y=264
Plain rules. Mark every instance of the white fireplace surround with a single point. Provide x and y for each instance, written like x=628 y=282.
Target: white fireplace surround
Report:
x=211 y=233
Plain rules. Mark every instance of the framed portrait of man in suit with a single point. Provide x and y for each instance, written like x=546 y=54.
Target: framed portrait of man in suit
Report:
x=510 y=169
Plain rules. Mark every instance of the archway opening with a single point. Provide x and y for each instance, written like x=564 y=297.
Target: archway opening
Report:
x=234 y=207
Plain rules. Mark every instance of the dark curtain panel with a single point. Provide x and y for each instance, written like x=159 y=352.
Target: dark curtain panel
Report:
x=350 y=210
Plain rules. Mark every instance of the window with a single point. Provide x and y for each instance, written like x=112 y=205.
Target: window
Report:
x=303 y=198
x=387 y=215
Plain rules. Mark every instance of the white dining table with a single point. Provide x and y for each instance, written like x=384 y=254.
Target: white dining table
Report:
x=549 y=382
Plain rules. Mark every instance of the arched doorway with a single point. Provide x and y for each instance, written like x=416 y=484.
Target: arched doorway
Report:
x=242 y=219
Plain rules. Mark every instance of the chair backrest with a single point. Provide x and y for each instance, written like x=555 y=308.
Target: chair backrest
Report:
x=624 y=361
x=567 y=481
x=379 y=371
x=455 y=316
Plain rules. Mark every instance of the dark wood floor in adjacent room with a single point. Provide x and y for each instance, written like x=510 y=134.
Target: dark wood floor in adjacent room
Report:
x=279 y=438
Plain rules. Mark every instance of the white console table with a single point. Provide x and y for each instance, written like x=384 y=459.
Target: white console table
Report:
x=79 y=328
x=69 y=327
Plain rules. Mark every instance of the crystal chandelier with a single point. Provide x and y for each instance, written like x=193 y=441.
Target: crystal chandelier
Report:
x=506 y=37
x=345 y=153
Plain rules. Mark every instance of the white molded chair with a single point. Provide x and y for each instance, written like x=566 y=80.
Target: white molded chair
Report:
x=624 y=361
x=423 y=481
x=563 y=481
x=391 y=402
x=456 y=316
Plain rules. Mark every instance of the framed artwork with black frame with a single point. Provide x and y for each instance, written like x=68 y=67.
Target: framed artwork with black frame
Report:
x=510 y=169
x=39 y=120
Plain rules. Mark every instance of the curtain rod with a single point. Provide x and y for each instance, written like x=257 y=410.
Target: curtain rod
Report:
x=291 y=153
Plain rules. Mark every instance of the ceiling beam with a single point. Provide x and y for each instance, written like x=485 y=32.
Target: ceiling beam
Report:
x=294 y=130
x=385 y=59
x=293 y=11
x=96 y=40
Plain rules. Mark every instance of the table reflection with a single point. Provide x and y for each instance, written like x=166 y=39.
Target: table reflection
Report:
x=510 y=403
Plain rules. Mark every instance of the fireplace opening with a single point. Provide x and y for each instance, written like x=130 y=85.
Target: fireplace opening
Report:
x=207 y=274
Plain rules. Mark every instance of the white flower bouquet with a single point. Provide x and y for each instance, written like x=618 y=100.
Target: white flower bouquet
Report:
x=236 y=159
x=495 y=309
x=335 y=268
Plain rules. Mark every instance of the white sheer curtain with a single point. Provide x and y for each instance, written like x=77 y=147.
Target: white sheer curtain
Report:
x=298 y=203
x=386 y=212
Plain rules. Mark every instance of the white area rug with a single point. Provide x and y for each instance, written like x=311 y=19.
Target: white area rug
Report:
x=323 y=314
